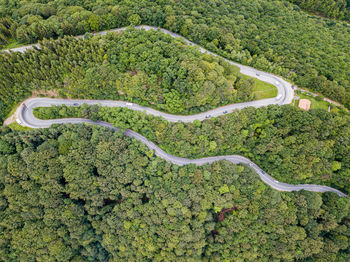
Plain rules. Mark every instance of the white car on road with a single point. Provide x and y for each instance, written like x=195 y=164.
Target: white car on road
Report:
x=278 y=97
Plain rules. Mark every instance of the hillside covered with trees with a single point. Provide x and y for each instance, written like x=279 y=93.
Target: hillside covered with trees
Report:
x=87 y=193
x=292 y=145
x=339 y=9
x=147 y=67
x=270 y=35
x=84 y=193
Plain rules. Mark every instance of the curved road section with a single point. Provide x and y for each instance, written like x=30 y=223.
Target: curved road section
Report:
x=285 y=91
x=25 y=117
x=284 y=96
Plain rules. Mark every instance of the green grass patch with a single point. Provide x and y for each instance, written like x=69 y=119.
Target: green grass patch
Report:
x=315 y=104
x=12 y=44
x=13 y=110
x=16 y=126
x=335 y=110
x=262 y=90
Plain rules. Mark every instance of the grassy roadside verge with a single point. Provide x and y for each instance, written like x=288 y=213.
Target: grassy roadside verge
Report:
x=315 y=103
x=12 y=44
x=318 y=102
x=13 y=110
x=11 y=117
x=262 y=90
x=16 y=126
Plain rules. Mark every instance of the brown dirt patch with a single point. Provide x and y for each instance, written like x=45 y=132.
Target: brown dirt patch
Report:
x=49 y=93
x=133 y=72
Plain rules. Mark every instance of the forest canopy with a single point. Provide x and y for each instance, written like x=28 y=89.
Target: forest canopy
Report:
x=339 y=9
x=86 y=193
x=269 y=35
x=146 y=67
x=292 y=145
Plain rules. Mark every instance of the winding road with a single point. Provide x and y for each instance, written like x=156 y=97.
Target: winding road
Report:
x=25 y=117
x=285 y=91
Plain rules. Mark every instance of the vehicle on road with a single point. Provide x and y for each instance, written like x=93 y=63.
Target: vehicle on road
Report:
x=225 y=112
x=129 y=104
x=208 y=116
x=18 y=121
x=76 y=104
x=278 y=97
x=257 y=74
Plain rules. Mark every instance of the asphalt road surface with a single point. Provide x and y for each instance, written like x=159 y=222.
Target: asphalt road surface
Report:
x=26 y=118
x=285 y=91
x=285 y=95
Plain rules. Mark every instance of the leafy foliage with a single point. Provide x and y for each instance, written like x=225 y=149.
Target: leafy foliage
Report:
x=148 y=67
x=270 y=35
x=82 y=193
x=7 y=29
x=292 y=145
x=339 y=9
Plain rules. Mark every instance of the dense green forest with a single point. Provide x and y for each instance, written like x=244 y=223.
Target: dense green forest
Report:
x=147 y=67
x=292 y=145
x=270 y=35
x=339 y=9
x=85 y=193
